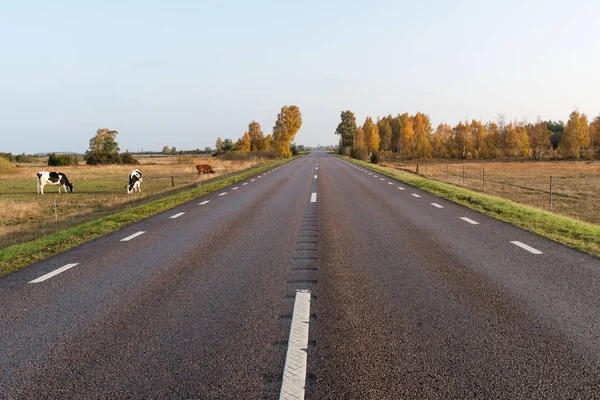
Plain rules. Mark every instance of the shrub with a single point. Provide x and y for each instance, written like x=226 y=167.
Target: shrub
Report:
x=60 y=161
x=23 y=158
x=6 y=167
x=374 y=157
x=7 y=156
x=360 y=153
x=127 y=158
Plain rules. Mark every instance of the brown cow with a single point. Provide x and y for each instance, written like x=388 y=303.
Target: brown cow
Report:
x=205 y=169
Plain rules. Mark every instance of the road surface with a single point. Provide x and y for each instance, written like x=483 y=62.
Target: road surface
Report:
x=317 y=279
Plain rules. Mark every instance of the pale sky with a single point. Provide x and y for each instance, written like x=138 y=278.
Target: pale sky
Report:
x=181 y=73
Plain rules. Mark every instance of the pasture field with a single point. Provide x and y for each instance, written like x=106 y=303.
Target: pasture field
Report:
x=98 y=191
x=575 y=184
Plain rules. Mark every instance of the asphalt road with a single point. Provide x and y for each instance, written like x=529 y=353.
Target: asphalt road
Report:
x=408 y=299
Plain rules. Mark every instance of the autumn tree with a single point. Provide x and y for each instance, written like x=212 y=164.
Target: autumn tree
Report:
x=385 y=133
x=257 y=138
x=576 y=136
x=478 y=134
x=406 y=139
x=441 y=141
x=166 y=149
x=346 y=129
x=244 y=143
x=288 y=123
x=539 y=138
x=422 y=137
x=371 y=135
x=219 y=144
x=460 y=140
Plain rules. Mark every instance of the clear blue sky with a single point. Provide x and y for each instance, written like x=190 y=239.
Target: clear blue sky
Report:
x=181 y=73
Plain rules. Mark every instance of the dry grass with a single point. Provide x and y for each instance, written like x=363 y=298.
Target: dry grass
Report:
x=98 y=191
x=575 y=184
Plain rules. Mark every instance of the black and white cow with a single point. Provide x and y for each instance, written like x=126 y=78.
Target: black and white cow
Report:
x=53 y=178
x=135 y=179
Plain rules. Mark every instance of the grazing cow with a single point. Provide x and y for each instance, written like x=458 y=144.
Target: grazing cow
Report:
x=53 y=178
x=135 y=179
x=205 y=169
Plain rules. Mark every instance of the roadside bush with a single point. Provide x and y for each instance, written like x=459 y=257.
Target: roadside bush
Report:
x=102 y=158
x=60 y=161
x=7 y=156
x=374 y=157
x=360 y=153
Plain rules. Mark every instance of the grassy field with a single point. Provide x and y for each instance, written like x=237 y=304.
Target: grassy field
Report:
x=98 y=191
x=575 y=184
x=572 y=232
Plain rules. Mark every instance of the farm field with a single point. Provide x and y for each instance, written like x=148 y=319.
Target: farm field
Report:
x=575 y=184
x=98 y=191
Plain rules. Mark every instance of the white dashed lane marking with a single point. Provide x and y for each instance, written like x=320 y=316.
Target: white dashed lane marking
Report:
x=526 y=247
x=222 y=194
x=381 y=179
x=400 y=187
x=315 y=176
x=53 y=273
x=204 y=202
x=313 y=198
x=294 y=372
x=469 y=220
x=390 y=183
x=235 y=188
x=416 y=195
x=437 y=205
x=252 y=180
x=176 y=215
x=128 y=238
x=245 y=183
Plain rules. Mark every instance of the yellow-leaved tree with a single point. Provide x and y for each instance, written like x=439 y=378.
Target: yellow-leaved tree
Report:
x=288 y=123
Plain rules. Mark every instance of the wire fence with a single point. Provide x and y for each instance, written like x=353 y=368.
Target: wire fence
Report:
x=565 y=187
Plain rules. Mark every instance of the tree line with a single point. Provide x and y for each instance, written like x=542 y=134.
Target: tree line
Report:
x=413 y=137
x=280 y=143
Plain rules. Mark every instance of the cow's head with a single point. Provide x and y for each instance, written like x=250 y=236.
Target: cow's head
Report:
x=70 y=187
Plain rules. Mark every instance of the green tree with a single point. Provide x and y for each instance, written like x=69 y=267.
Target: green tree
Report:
x=227 y=145
x=347 y=129
x=103 y=148
x=257 y=137
x=288 y=123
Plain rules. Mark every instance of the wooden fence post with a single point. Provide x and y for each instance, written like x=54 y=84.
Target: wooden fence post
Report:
x=483 y=177
x=172 y=181
x=463 y=175
x=550 y=191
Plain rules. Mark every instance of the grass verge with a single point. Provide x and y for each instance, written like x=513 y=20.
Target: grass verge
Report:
x=576 y=234
x=18 y=256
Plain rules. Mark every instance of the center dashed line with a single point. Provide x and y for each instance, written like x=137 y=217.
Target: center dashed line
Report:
x=437 y=205
x=313 y=198
x=53 y=273
x=244 y=184
x=176 y=215
x=400 y=187
x=222 y=194
x=128 y=238
x=390 y=183
x=526 y=247
x=235 y=188
x=469 y=220
x=204 y=202
x=315 y=176
x=416 y=195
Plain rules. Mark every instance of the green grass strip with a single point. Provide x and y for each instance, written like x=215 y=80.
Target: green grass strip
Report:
x=576 y=234
x=18 y=256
